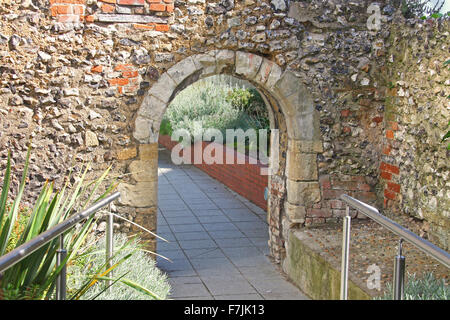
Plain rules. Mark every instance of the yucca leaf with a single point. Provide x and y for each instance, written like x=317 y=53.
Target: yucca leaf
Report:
x=27 y=234
x=5 y=189
x=97 y=184
x=104 y=273
x=9 y=223
x=140 y=288
x=115 y=280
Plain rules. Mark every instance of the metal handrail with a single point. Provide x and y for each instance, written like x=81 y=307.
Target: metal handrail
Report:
x=427 y=247
x=20 y=253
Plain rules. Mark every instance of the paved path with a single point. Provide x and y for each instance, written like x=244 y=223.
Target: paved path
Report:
x=218 y=240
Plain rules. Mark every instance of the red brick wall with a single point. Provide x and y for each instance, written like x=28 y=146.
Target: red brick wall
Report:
x=245 y=179
x=73 y=11
x=332 y=187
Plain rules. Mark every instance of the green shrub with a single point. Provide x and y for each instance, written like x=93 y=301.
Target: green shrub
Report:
x=204 y=103
x=425 y=288
x=219 y=103
x=139 y=268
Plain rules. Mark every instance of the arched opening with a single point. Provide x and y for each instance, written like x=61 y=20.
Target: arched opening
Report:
x=294 y=183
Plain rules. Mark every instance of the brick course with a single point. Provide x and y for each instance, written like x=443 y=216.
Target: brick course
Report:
x=245 y=179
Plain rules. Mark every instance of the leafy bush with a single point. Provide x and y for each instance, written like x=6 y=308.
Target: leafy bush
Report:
x=424 y=288
x=220 y=103
x=204 y=103
x=215 y=104
x=141 y=279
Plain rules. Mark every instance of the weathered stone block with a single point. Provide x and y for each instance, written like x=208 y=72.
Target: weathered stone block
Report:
x=142 y=129
x=269 y=73
x=303 y=193
x=206 y=62
x=164 y=88
x=144 y=170
x=126 y=153
x=148 y=151
x=295 y=213
x=305 y=126
x=301 y=166
x=224 y=58
x=143 y=194
x=247 y=64
x=182 y=70
x=306 y=146
x=287 y=85
x=152 y=108
x=91 y=139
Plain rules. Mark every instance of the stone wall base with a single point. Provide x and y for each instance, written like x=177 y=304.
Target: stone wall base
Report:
x=306 y=265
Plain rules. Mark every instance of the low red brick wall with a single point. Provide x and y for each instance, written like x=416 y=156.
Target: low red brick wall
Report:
x=245 y=179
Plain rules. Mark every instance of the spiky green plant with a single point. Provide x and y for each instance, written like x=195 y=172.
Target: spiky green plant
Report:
x=34 y=277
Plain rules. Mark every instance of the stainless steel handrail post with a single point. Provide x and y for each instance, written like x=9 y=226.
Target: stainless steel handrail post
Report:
x=61 y=254
x=345 y=253
x=399 y=274
x=109 y=244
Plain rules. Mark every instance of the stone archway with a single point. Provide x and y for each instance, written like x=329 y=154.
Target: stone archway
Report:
x=294 y=186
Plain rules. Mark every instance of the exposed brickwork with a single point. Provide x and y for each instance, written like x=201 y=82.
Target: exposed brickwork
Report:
x=128 y=81
x=138 y=11
x=68 y=10
x=332 y=187
x=245 y=179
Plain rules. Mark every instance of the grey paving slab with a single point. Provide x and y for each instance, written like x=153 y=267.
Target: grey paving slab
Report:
x=284 y=296
x=204 y=253
x=172 y=245
x=177 y=213
x=172 y=254
x=218 y=240
x=173 y=206
x=190 y=290
x=234 y=242
x=204 y=205
x=220 y=226
x=196 y=199
x=226 y=234
x=229 y=287
x=251 y=225
x=179 y=264
x=198 y=235
x=279 y=285
x=207 y=212
x=182 y=220
x=239 y=297
x=260 y=272
x=198 y=244
x=213 y=219
x=186 y=227
x=163 y=229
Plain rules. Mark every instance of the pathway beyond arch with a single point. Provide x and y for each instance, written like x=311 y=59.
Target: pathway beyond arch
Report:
x=218 y=240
